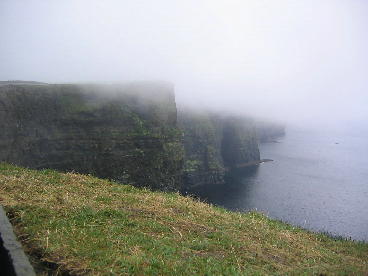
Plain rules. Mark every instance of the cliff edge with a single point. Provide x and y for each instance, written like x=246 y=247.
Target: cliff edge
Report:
x=123 y=132
x=131 y=133
x=214 y=144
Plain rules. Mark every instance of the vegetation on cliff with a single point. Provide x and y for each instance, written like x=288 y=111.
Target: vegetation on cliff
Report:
x=82 y=224
x=123 y=132
x=213 y=143
x=128 y=132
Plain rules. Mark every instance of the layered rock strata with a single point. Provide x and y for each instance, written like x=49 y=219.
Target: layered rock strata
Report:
x=215 y=144
x=123 y=132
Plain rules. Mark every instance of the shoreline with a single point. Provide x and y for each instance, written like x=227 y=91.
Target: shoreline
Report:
x=249 y=164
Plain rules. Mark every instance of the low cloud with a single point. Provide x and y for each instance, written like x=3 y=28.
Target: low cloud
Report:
x=298 y=61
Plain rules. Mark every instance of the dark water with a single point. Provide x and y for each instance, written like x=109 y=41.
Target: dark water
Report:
x=318 y=180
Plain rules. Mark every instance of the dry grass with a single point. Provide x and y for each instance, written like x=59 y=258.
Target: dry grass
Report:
x=90 y=226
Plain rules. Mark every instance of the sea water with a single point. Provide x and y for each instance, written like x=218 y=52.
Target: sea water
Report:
x=318 y=180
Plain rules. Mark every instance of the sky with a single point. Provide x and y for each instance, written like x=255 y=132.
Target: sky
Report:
x=301 y=61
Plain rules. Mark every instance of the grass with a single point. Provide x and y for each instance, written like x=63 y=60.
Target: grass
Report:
x=86 y=225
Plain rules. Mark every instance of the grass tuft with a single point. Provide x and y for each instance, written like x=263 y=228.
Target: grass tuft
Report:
x=85 y=225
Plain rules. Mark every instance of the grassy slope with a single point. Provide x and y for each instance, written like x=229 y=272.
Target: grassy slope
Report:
x=85 y=224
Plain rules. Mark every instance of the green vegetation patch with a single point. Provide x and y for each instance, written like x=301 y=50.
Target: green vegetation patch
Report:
x=90 y=226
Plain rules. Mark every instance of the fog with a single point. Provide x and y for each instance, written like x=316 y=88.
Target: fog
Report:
x=299 y=61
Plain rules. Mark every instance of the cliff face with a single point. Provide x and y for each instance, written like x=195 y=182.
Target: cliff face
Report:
x=269 y=131
x=124 y=132
x=214 y=144
x=128 y=133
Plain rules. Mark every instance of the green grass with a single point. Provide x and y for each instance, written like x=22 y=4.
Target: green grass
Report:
x=90 y=226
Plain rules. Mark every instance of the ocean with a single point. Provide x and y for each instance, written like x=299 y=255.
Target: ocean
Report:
x=318 y=180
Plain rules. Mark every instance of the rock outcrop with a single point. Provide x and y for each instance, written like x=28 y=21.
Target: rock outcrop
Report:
x=269 y=131
x=123 y=132
x=214 y=144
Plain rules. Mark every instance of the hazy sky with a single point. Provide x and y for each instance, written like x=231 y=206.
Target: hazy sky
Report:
x=294 y=59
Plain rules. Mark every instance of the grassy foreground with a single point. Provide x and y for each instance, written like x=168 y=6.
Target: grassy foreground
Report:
x=85 y=225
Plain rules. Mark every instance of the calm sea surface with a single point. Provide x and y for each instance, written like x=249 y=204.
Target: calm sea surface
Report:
x=318 y=180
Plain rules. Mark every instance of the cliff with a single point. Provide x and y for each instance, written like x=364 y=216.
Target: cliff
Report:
x=126 y=132
x=123 y=132
x=214 y=144
x=269 y=131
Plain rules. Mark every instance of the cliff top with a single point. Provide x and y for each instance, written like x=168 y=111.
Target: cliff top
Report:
x=21 y=82
x=154 y=88
x=84 y=224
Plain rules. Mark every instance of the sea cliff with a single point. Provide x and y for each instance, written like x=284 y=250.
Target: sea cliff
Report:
x=268 y=131
x=215 y=143
x=129 y=132
x=123 y=132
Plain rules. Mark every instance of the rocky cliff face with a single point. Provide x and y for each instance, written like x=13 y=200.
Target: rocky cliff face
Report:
x=128 y=133
x=124 y=132
x=269 y=131
x=214 y=144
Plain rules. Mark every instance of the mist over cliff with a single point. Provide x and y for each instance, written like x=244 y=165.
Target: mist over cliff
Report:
x=132 y=133
x=296 y=61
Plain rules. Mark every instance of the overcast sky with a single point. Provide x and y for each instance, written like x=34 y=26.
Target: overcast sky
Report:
x=303 y=60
